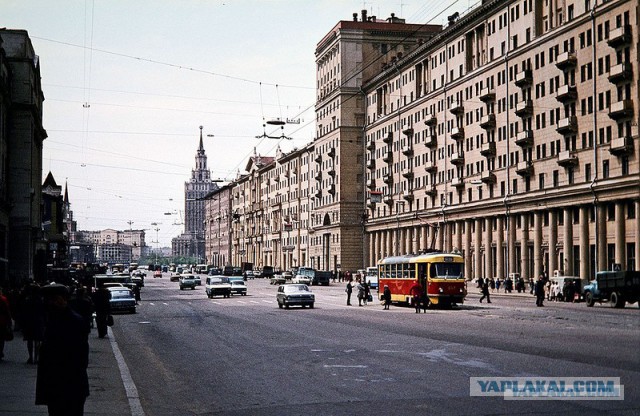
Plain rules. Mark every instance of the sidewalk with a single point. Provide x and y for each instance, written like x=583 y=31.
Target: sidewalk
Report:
x=18 y=380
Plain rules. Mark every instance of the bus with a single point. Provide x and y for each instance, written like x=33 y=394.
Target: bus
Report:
x=371 y=276
x=440 y=274
x=318 y=277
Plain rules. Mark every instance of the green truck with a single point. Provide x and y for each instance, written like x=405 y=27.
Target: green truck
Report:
x=617 y=288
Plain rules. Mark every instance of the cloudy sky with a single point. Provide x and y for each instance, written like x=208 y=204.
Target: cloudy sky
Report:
x=127 y=83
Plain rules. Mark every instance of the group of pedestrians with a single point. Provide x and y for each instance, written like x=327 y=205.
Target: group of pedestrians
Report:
x=55 y=322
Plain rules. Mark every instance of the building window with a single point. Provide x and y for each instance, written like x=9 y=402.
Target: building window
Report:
x=605 y=169
x=631 y=210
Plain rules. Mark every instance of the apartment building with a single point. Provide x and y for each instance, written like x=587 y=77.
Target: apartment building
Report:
x=512 y=136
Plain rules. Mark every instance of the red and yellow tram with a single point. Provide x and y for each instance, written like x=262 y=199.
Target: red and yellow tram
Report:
x=441 y=275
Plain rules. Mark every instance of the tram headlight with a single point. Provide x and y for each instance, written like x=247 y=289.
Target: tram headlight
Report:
x=440 y=290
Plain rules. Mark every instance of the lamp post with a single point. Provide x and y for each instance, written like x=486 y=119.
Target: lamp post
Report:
x=157 y=240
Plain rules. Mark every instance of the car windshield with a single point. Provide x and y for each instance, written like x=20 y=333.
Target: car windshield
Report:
x=296 y=288
x=447 y=271
x=237 y=283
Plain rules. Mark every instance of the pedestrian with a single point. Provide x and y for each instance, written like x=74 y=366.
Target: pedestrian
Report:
x=103 y=309
x=360 y=289
x=82 y=304
x=367 y=291
x=492 y=283
x=136 y=292
x=5 y=323
x=539 y=291
x=485 y=291
x=386 y=296
x=416 y=296
x=62 y=383
x=349 y=289
x=425 y=302
x=498 y=281
x=32 y=321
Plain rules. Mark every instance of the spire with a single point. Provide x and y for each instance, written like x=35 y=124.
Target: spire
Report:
x=201 y=148
x=66 y=193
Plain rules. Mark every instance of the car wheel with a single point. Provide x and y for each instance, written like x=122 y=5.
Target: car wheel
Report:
x=286 y=305
x=588 y=298
x=311 y=305
x=303 y=306
x=193 y=287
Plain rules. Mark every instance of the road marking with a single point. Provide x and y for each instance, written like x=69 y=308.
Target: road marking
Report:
x=165 y=303
x=254 y=301
x=217 y=303
x=345 y=366
x=129 y=386
x=266 y=301
x=241 y=301
x=152 y=304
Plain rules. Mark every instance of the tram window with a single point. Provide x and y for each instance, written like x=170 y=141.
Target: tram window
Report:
x=393 y=271
x=412 y=273
x=446 y=270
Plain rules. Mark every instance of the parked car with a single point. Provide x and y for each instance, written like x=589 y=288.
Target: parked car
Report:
x=122 y=300
x=303 y=279
x=238 y=287
x=218 y=286
x=288 y=275
x=277 y=279
x=187 y=281
x=198 y=280
x=248 y=274
x=157 y=273
x=175 y=277
x=295 y=294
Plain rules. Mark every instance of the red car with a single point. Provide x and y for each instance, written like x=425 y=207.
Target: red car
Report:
x=157 y=273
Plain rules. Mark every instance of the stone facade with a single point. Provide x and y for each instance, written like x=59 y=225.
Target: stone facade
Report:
x=218 y=217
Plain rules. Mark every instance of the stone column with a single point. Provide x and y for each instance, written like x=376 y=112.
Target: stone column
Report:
x=467 y=250
x=449 y=237
x=511 y=245
x=601 y=236
x=568 y=242
x=477 y=244
x=584 y=242
x=553 y=240
x=537 y=244
x=621 y=246
x=416 y=239
x=499 y=249
x=488 y=258
x=637 y=239
x=524 y=249
x=424 y=240
x=459 y=231
x=440 y=237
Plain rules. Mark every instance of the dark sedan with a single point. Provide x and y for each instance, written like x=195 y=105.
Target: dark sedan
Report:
x=294 y=294
x=122 y=300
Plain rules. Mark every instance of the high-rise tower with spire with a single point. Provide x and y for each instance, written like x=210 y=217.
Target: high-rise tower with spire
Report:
x=191 y=243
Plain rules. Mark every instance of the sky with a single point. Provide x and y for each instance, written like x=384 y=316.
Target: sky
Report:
x=128 y=83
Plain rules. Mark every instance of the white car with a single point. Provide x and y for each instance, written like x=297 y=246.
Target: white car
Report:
x=301 y=279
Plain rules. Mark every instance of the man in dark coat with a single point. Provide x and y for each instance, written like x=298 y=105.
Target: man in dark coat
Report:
x=103 y=309
x=386 y=296
x=62 y=382
x=485 y=291
x=349 y=290
x=539 y=291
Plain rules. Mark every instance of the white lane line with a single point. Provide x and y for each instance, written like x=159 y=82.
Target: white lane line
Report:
x=129 y=386
x=345 y=366
x=254 y=301
x=241 y=301
x=152 y=304
x=165 y=303
x=217 y=303
x=266 y=301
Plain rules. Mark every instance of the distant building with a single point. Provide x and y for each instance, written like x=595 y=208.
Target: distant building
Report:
x=191 y=242
x=218 y=219
x=109 y=244
x=21 y=137
x=53 y=224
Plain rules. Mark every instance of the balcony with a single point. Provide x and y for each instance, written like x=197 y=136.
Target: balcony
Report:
x=566 y=93
x=430 y=120
x=332 y=152
x=567 y=159
x=566 y=60
x=408 y=132
x=388 y=178
x=318 y=159
x=488 y=149
x=524 y=78
x=621 y=109
x=276 y=178
x=331 y=172
x=388 y=157
x=620 y=36
x=525 y=138
x=431 y=190
x=371 y=184
x=407 y=151
x=388 y=138
x=621 y=73
x=408 y=175
x=371 y=144
x=332 y=189
x=524 y=168
x=567 y=125
x=524 y=108
x=431 y=167
x=457 y=182
x=388 y=200
x=457 y=107
x=488 y=177
x=457 y=158
x=457 y=133
x=408 y=196
x=487 y=95
x=430 y=140
x=621 y=146
x=318 y=194
x=318 y=176
x=371 y=164
x=488 y=122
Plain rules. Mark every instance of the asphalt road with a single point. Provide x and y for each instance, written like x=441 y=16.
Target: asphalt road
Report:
x=190 y=355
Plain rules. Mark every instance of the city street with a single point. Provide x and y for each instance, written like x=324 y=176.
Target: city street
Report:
x=188 y=354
